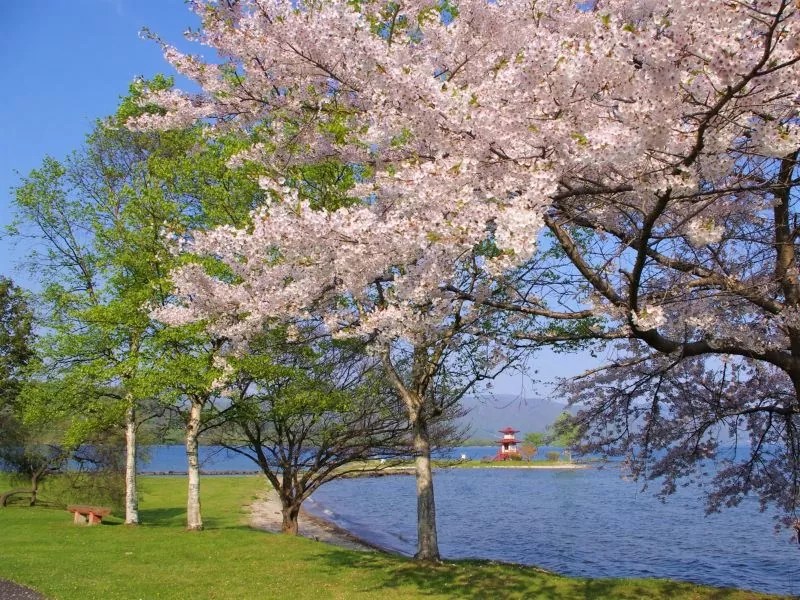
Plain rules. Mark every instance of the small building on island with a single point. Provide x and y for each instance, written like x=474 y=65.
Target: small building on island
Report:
x=508 y=444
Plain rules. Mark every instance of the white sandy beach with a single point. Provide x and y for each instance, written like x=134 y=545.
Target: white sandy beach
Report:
x=266 y=515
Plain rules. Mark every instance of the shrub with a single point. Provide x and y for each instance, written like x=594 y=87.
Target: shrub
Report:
x=552 y=456
x=528 y=451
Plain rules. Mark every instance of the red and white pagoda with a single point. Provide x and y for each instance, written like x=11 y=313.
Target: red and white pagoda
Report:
x=508 y=444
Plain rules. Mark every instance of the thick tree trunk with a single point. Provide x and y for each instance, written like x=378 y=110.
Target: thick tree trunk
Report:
x=194 y=520
x=290 y=513
x=131 y=493
x=427 y=543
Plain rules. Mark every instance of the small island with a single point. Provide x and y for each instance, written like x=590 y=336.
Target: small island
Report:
x=516 y=455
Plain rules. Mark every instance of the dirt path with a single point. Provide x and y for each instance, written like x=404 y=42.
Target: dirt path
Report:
x=14 y=591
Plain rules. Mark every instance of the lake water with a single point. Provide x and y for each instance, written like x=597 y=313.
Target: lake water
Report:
x=167 y=458
x=163 y=459
x=589 y=522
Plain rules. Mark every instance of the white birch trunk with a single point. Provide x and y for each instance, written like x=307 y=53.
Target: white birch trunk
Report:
x=131 y=493
x=194 y=520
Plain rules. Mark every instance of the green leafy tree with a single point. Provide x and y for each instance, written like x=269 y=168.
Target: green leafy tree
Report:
x=104 y=221
x=535 y=438
x=563 y=433
x=184 y=375
x=38 y=439
x=308 y=413
x=533 y=441
x=102 y=257
x=16 y=340
x=29 y=451
x=22 y=448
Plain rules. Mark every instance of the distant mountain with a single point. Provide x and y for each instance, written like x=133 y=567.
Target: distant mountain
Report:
x=488 y=414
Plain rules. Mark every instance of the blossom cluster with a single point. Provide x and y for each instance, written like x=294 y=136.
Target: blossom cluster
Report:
x=467 y=124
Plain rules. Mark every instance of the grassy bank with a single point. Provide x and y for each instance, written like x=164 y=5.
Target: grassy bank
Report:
x=374 y=467
x=41 y=548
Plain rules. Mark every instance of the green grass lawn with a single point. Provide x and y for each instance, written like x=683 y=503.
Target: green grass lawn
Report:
x=40 y=547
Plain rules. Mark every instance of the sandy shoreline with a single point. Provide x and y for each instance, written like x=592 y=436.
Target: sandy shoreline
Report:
x=266 y=515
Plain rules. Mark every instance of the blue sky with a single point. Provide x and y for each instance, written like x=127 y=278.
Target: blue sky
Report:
x=65 y=63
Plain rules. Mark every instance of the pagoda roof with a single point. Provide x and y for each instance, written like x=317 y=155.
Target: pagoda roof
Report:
x=509 y=430
x=507 y=441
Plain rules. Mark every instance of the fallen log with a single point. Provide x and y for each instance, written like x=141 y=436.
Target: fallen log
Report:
x=8 y=495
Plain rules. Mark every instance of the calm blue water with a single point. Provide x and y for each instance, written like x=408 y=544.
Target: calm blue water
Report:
x=173 y=458
x=214 y=458
x=590 y=522
x=585 y=523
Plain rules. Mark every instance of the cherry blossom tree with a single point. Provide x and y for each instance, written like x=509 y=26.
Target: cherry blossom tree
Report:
x=656 y=141
x=701 y=273
x=705 y=282
x=434 y=349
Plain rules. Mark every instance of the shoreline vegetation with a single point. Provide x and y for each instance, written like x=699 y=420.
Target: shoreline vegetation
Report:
x=234 y=557
x=392 y=470
x=377 y=469
x=399 y=470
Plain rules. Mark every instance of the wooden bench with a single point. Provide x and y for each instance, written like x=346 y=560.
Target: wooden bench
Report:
x=88 y=515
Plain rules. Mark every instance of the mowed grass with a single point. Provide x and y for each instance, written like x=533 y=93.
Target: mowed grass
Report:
x=41 y=548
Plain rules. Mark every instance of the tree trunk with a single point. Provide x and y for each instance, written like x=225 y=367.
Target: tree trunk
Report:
x=427 y=544
x=290 y=513
x=194 y=520
x=34 y=486
x=131 y=493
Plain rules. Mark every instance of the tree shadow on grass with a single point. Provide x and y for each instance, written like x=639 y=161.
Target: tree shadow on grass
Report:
x=478 y=580
x=162 y=517
x=224 y=523
x=175 y=517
